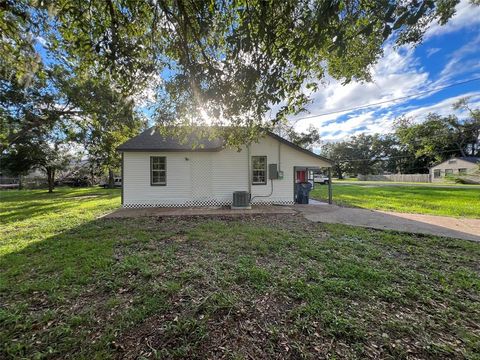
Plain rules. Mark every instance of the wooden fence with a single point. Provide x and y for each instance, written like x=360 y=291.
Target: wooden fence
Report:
x=422 y=178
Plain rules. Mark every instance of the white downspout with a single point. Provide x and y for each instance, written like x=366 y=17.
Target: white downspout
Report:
x=248 y=172
x=279 y=144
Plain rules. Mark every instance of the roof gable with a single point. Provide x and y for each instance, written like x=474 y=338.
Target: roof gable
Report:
x=470 y=159
x=152 y=140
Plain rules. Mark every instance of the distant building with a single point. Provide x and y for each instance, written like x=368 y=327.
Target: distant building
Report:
x=459 y=166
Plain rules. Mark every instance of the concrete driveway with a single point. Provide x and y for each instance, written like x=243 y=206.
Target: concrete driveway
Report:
x=468 y=229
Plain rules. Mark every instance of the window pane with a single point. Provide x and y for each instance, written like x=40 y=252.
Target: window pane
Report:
x=159 y=170
x=462 y=171
x=158 y=163
x=259 y=169
x=158 y=176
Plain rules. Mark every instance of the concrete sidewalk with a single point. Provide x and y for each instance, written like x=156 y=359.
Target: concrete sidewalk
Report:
x=467 y=229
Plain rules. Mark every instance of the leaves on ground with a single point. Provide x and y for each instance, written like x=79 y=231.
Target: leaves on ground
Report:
x=77 y=286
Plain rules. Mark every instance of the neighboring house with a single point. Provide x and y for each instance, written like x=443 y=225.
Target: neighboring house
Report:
x=459 y=166
x=159 y=171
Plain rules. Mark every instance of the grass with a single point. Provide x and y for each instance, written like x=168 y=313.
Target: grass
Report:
x=74 y=285
x=457 y=202
x=445 y=183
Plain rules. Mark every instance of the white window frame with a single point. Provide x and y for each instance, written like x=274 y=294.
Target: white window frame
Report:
x=159 y=171
x=257 y=169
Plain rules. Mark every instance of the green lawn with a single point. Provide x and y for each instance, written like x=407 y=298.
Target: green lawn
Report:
x=457 y=202
x=74 y=285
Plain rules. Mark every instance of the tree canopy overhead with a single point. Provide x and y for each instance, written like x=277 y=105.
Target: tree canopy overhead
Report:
x=243 y=63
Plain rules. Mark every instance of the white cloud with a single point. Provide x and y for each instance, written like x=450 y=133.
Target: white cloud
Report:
x=432 y=51
x=466 y=16
x=397 y=74
x=41 y=41
x=461 y=61
x=444 y=107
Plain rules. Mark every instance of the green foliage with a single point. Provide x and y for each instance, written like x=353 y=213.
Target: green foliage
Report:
x=305 y=139
x=58 y=109
x=412 y=148
x=364 y=154
x=226 y=61
x=453 y=136
x=108 y=118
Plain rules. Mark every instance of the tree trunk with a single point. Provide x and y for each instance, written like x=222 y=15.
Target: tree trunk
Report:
x=462 y=151
x=20 y=182
x=111 y=179
x=51 y=179
x=339 y=173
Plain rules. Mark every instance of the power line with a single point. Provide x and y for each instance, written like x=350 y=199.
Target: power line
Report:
x=387 y=101
x=386 y=158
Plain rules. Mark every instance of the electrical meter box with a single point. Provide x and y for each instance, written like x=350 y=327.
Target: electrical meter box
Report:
x=272 y=172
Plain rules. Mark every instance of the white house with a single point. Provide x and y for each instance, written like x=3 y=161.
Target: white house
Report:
x=160 y=171
x=459 y=166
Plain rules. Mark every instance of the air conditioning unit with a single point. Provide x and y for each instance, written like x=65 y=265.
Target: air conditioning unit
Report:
x=241 y=200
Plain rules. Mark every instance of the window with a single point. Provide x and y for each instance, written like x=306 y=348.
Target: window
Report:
x=462 y=171
x=259 y=170
x=158 y=170
x=448 y=172
x=436 y=173
x=452 y=161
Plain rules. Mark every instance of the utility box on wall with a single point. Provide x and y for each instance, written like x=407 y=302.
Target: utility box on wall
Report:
x=272 y=172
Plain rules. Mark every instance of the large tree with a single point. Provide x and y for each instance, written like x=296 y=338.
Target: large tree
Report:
x=441 y=137
x=49 y=153
x=107 y=119
x=307 y=139
x=224 y=61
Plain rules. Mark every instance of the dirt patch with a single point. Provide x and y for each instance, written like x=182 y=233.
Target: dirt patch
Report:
x=205 y=212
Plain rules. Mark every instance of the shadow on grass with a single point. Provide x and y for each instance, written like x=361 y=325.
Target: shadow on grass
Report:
x=25 y=205
x=51 y=289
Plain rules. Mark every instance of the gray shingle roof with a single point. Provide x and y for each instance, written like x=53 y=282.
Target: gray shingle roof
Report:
x=152 y=140
x=472 y=159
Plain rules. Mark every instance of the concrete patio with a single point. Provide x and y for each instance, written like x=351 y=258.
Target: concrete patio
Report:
x=461 y=228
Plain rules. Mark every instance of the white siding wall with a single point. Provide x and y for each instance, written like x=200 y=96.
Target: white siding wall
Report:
x=229 y=174
x=289 y=158
x=136 y=179
x=210 y=178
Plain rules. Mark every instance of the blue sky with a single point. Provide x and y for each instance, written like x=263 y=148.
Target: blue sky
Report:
x=448 y=54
